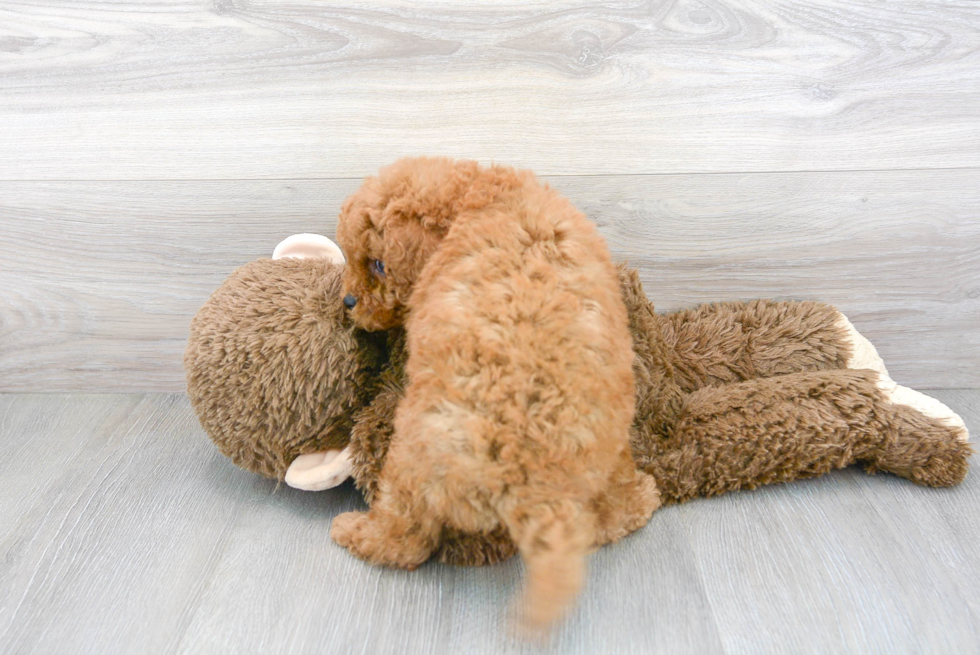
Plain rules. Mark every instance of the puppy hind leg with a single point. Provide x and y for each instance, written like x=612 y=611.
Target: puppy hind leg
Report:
x=627 y=504
x=402 y=527
x=553 y=538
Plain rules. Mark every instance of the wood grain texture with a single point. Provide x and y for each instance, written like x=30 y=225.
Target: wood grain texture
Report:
x=140 y=537
x=898 y=252
x=230 y=90
x=844 y=563
x=100 y=280
x=122 y=537
x=103 y=278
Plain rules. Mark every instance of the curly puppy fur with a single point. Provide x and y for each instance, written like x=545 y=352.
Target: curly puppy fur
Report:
x=520 y=383
x=729 y=396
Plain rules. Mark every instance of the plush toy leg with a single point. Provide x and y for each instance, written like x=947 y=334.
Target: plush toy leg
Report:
x=922 y=425
x=928 y=447
x=801 y=425
x=724 y=343
x=861 y=353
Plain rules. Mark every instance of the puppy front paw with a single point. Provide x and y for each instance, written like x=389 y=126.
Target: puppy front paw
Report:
x=370 y=538
x=345 y=527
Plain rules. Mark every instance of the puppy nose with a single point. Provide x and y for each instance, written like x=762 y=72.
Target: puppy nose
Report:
x=349 y=301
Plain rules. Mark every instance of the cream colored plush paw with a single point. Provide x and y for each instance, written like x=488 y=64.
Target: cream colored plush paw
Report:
x=863 y=353
x=927 y=405
x=319 y=471
x=864 y=356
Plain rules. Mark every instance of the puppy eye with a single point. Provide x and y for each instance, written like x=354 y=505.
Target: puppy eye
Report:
x=378 y=266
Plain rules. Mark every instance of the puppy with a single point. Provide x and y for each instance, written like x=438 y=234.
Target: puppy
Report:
x=520 y=393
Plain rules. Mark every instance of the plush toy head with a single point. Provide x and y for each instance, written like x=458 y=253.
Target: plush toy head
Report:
x=275 y=368
x=288 y=388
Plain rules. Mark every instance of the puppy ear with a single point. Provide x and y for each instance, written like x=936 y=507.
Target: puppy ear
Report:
x=408 y=246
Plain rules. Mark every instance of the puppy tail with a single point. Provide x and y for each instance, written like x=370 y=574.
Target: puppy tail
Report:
x=553 y=538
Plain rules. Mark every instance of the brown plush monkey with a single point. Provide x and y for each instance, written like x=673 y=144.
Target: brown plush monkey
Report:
x=728 y=396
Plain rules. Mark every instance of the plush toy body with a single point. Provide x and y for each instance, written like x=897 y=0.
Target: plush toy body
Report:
x=729 y=396
x=743 y=394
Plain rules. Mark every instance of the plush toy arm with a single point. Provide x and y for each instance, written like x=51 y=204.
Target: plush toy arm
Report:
x=801 y=425
x=321 y=470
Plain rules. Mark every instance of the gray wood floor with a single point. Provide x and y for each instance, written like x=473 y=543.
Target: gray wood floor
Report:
x=123 y=531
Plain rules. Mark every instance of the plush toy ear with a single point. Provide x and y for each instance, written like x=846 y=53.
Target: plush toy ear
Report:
x=308 y=246
x=319 y=471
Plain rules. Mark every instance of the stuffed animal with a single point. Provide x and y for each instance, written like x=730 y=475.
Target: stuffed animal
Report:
x=728 y=396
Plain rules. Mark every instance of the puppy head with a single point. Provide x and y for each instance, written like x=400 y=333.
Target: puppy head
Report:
x=390 y=227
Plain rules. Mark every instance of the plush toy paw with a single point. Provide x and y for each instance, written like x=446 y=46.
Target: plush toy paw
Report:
x=927 y=406
x=379 y=539
x=922 y=439
x=865 y=356
x=321 y=470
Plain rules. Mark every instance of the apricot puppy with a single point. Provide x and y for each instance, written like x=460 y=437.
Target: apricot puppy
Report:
x=521 y=391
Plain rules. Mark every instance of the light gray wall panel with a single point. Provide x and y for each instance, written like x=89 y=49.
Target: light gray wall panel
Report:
x=232 y=90
x=100 y=280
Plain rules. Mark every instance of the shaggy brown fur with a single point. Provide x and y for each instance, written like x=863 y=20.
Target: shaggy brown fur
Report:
x=715 y=430
x=735 y=395
x=728 y=396
x=257 y=356
x=769 y=404
x=520 y=384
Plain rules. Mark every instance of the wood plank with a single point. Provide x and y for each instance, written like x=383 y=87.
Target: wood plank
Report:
x=43 y=436
x=145 y=539
x=150 y=541
x=205 y=90
x=844 y=563
x=100 y=280
x=287 y=588
x=821 y=566
x=898 y=252
x=936 y=523
x=123 y=537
